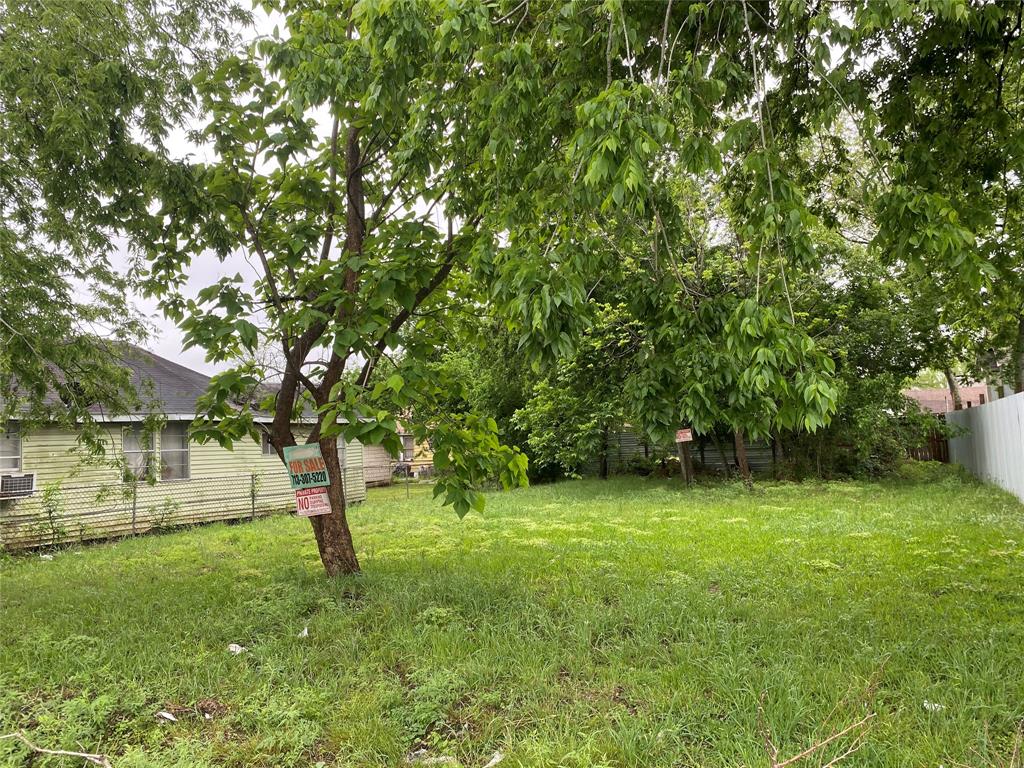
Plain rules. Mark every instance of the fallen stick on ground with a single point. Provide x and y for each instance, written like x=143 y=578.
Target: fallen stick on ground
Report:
x=100 y=760
x=773 y=751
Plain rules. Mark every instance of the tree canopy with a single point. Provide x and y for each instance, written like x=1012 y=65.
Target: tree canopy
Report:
x=663 y=178
x=89 y=94
x=556 y=154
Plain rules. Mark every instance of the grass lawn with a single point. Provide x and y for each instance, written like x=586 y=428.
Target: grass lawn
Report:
x=620 y=623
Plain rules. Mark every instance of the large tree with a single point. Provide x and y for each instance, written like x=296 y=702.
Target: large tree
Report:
x=947 y=105
x=339 y=145
x=387 y=163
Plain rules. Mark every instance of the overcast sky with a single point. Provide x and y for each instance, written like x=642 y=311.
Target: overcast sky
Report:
x=166 y=339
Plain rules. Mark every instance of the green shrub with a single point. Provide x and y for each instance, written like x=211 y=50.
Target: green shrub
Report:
x=870 y=436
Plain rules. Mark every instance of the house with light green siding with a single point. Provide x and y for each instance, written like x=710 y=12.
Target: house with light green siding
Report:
x=149 y=478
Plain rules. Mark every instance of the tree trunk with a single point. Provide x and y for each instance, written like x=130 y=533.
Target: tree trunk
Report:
x=954 y=390
x=1020 y=356
x=355 y=217
x=721 y=452
x=685 y=466
x=333 y=538
x=741 y=456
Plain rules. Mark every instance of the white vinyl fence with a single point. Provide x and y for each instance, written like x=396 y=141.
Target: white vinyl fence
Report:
x=993 y=447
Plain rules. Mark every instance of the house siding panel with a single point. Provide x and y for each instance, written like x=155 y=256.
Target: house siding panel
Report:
x=92 y=503
x=377 y=465
x=54 y=454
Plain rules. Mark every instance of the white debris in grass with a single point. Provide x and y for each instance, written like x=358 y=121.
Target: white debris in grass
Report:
x=419 y=757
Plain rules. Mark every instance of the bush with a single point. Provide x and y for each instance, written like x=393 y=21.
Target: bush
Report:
x=870 y=436
x=642 y=465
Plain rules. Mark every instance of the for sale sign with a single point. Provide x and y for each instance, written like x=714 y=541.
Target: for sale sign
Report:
x=308 y=474
x=306 y=466
x=684 y=435
x=312 y=501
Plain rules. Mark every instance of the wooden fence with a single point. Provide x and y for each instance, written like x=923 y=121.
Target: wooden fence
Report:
x=625 y=447
x=992 y=446
x=936 y=449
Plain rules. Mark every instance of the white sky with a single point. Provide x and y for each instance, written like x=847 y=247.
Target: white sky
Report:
x=166 y=339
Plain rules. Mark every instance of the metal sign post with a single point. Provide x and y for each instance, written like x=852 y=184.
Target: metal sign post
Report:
x=683 y=439
x=308 y=474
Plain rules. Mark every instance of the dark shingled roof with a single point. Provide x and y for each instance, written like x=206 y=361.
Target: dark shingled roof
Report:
x=164 y=386
x=168 y=388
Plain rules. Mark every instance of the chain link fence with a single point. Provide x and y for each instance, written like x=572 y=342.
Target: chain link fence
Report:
x=63 y=513
x=394 y=472
x=59 y=514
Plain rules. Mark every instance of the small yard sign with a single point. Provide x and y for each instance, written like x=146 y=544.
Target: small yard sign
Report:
x=684 y=435
x=308 y=474
x=312 y=501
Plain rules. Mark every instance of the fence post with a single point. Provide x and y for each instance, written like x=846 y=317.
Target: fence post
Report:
x=252 y=493
x=135 y=498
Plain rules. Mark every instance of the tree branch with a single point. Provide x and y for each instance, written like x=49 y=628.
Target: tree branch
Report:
x=325 y=249
x=95 y=759
x=399 y=320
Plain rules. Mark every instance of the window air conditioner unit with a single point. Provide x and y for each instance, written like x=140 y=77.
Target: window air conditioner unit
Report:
x=16 y=486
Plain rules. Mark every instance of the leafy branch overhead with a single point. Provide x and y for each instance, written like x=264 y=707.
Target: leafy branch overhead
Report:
x=575 y=168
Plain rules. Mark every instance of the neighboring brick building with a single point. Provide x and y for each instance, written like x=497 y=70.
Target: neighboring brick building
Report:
x=938 y=399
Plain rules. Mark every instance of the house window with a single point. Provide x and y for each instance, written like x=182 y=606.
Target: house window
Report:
x=174 y=451
x=10 y=448
x=138 y=452
x=408 y=448
x=268 y=448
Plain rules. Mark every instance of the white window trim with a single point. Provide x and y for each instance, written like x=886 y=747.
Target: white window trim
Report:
x=10 y=428
x=408 y=455
x=151 y=451
x=187 y=450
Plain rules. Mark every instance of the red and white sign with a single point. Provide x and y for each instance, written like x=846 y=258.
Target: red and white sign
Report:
x=312 y=502
x=684 y=435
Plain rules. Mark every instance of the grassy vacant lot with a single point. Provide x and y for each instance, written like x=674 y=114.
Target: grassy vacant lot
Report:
x=623 y=623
